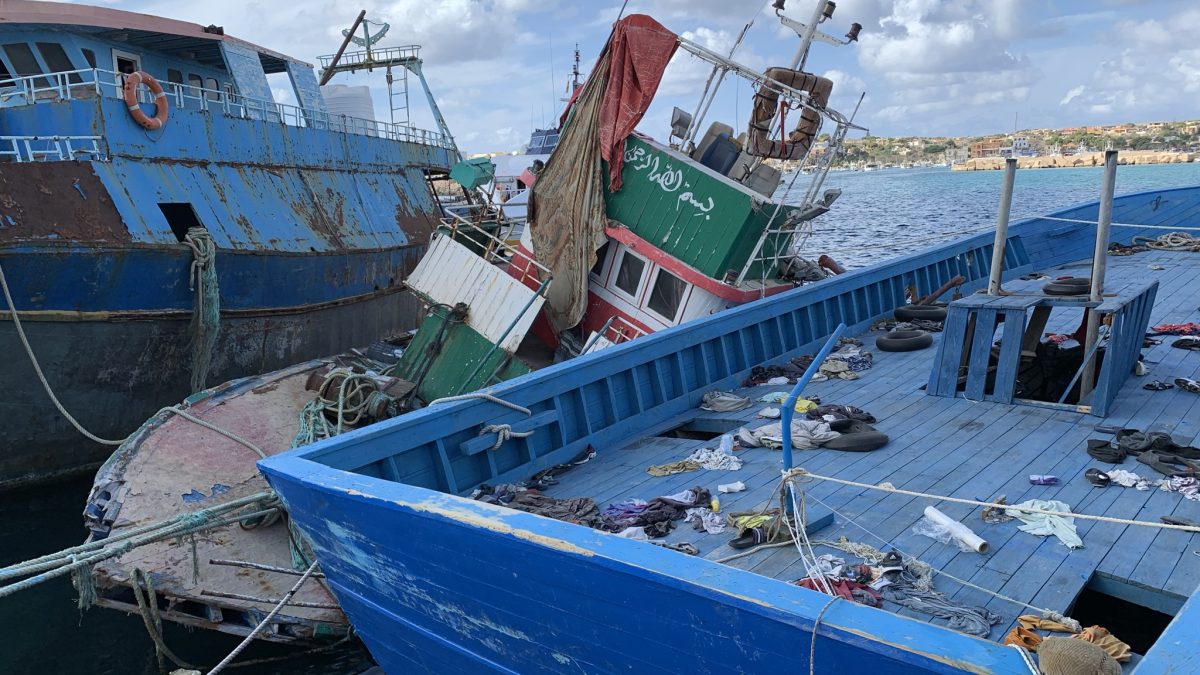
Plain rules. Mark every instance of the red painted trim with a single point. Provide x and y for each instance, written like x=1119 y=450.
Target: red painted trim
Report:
x=685 y=271
x=598 y=312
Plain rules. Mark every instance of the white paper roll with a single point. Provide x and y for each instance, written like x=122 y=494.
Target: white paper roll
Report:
x=961 y=532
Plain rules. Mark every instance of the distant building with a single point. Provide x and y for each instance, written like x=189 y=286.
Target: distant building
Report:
x=955 y=155
x=989 y=147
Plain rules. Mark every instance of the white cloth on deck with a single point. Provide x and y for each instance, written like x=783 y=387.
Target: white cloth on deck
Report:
x=1043 y=524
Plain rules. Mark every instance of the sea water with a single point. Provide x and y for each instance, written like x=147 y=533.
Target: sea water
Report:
x=881 y=214
x=890 y=212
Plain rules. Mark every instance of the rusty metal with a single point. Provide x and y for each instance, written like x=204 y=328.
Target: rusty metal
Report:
x=941 y=290
x=63 y=201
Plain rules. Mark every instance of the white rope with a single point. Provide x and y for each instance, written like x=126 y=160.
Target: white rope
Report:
x=503 y=433
x=484 y=395
x=808 y=557
x=812 y=645
x=212 y=427
x=262 y=624
x=801 y=473
x=37 y=368
x=1093 y=222
x=1027 y=659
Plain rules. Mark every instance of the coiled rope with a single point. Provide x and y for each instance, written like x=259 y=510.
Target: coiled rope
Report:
x=1173 y=241
x=206 y=312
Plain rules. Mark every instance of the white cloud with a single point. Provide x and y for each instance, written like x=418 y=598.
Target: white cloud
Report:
x=1072 y=95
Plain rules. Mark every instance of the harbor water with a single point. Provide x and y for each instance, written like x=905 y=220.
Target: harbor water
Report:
x=879 y=215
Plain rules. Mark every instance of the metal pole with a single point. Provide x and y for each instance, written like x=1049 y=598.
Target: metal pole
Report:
x=328 y=72
x=1001 y=242
x=1099 y=261
x=789 y=404
x=806 y=41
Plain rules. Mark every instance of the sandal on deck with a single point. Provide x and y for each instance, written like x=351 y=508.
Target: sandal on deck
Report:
x=1188 y=384
x=1158 y=386
x=1187 y=343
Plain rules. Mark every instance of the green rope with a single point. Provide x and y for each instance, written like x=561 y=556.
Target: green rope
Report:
x=206 y=315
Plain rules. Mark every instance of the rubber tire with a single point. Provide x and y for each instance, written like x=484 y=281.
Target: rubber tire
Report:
x=903 y=341
x=926 y=312
x=863 y=441
x=1072 y=286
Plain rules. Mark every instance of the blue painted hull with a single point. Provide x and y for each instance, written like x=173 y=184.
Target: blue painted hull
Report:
x=437 y=582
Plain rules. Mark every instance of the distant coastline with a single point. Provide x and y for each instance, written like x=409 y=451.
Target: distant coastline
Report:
x=1077 y=160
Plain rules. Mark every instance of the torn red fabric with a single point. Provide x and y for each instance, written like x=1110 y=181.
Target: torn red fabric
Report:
x=639 y=50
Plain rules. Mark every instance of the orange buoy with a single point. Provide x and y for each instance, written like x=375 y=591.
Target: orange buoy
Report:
x=135 y=109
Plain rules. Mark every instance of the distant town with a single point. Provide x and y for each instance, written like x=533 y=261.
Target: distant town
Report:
x=1153 y=142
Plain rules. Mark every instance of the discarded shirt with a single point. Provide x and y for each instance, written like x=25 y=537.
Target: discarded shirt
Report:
x=724 y=401
x=1044 y=525
x=715 y=459
x=703 y=519
x=806 y=434
x=672 y=468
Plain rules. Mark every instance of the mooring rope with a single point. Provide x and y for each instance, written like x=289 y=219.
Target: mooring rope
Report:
x=206 y=313
x=267 y=619
x=803 y=475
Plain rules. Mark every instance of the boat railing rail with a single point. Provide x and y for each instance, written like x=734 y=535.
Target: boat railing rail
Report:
x=468 y=226
x=372 y=57
x=92 y=82
x=51 y=148
x=619 y=329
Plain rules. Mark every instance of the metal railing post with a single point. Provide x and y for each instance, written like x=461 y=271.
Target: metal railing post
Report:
x=1001 y=241
x=1099 y=262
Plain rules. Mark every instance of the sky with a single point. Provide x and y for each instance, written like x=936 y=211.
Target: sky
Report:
x=499 y=68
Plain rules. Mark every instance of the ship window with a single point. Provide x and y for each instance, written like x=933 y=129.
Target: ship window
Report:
x=24 y=62
x=180 y=216
x=5 y=76
x=535 y=142
x=666 y=295
x=90 y=57
x=174 y=76
x=214 y=88
x=196 y=81
x=57 y=60
x=629 y=274
x=601 y=257
x=126 y=62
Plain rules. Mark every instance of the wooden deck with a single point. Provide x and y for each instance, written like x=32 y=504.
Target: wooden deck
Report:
x=974 y=450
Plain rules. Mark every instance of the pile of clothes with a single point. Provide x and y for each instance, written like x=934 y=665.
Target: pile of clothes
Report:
x=1155 y=449
x=1025 y=635
x=656 y=518
x=845 y=362
x=927 y=325
x=1176 y=329
x=1116 y=248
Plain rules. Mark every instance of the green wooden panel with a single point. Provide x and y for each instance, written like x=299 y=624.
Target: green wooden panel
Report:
x=689 y=211
x=455 y=367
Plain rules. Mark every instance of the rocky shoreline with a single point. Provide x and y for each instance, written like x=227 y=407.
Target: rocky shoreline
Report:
x=1085 y=159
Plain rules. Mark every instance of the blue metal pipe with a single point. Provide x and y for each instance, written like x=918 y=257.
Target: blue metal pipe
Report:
x=789 y=403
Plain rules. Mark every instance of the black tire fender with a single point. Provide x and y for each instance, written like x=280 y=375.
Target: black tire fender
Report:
x=862 y=441
x=927 y=312
x=904 y=341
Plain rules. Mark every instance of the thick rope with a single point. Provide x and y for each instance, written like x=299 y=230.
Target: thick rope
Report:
x=206 y=313
x=803 y=474
x=1173 y=241
x=503 y=433
x=148 y=607
x=262 y=624
x=484 y=395
x=37 y=368
x=212 y=427
x=812 y=645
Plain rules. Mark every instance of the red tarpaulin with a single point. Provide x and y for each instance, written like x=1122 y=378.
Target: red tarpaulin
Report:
x=639 y=50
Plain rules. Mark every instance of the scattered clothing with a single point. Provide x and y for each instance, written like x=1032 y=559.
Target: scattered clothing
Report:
x=703 y=519
x=724 y=401
x=731 y=487
x=1116 y=248
x=996 y=515
x=1044 y=525
x=1176 y=329
x=926 y=325
x=1128 y=479
x=906 y=590
x=776 y=381
x=833 y=411
x=634 y=533
x=1168 y=464
x=803 y=405
x=1188 y=384
x=846 y=589
x=769 y=413
x=578 y=510
x=1187 y=486
x=773 y=397
x=1025 y=635
x=672 y=468
x=838 y=368
x=1191 y=343
x=806 y=434
x=715 y=459
x=654 y=516
x=629 y=510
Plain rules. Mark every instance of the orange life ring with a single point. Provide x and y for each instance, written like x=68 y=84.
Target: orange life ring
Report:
x=132 y=81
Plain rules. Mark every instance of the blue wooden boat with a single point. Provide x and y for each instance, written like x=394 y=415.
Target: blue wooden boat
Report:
x=316 y=218
x=436 y=581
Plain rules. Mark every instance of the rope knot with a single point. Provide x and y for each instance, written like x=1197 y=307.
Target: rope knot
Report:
x=503 y=433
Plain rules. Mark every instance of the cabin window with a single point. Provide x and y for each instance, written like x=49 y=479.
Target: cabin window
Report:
x=90 y=57
x=601 y=257
x=196 y=81
x=551 y=140
x=5 y=76
x=174 y=76
x=229 y=91
x=214 y=87
x=57 y=61
x=24 y=62
x=126 y=63
x=666 y=295
x=629 y=274
x=180 y=216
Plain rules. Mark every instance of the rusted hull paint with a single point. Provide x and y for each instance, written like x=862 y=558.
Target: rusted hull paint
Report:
x=493 y=590
x=112 y=375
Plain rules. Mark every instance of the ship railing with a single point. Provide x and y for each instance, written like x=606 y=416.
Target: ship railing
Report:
x=370 y=58
x=51 y=148
x=619 y=329
x=471 y=226
x=93 y=82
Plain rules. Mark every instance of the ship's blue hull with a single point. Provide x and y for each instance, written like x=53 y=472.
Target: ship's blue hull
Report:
x=434 y=581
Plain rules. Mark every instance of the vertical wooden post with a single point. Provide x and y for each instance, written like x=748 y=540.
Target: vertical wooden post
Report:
x=1001 y=241
x=1099 y=262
